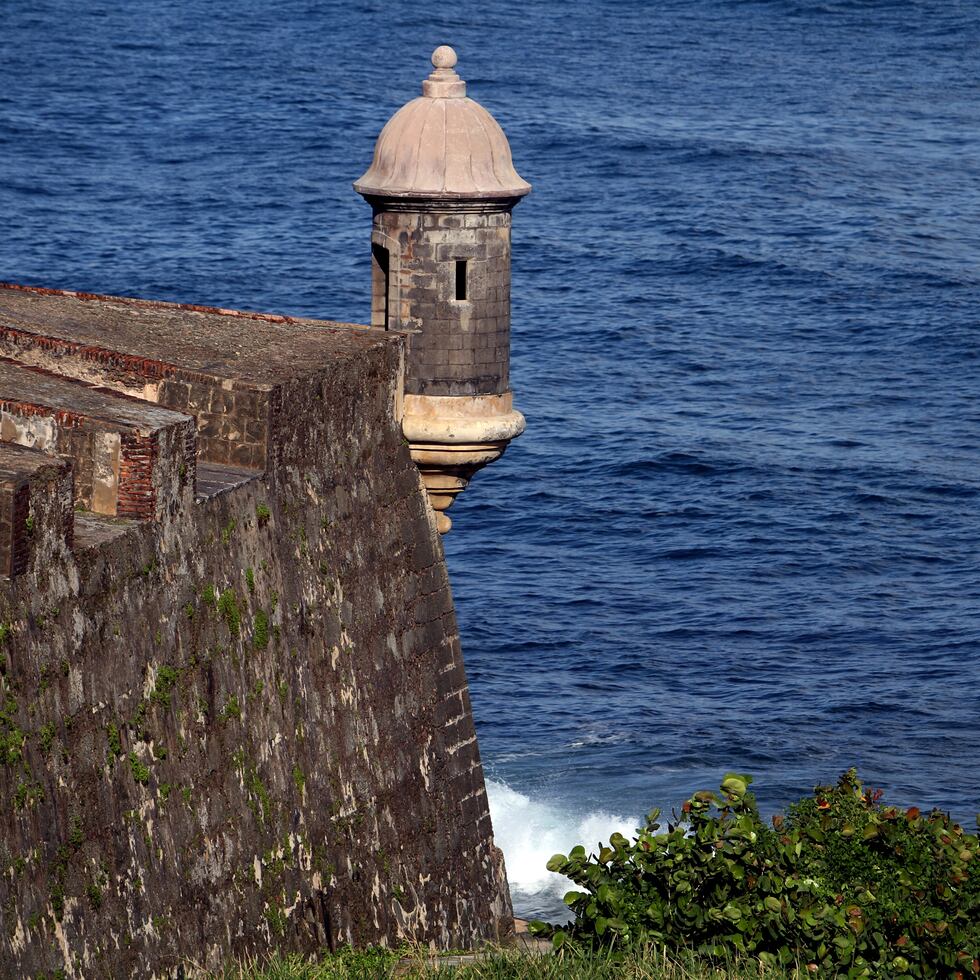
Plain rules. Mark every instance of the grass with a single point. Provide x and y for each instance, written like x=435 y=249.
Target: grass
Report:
x=648 y=963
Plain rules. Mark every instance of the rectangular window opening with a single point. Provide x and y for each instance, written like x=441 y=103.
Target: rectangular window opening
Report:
x=461 y=279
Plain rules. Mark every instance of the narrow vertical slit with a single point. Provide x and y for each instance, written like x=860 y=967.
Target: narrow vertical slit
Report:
x=461 y=279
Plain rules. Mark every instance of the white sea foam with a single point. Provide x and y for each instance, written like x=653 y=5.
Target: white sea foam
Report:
x=529 y=831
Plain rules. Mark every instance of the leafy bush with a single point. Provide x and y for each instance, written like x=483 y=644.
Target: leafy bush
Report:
x=840 y=885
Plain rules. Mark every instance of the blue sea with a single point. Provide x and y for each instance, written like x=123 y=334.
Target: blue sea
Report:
x=742 y=530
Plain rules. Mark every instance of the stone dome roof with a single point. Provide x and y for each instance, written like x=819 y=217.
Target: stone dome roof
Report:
x=442 y=145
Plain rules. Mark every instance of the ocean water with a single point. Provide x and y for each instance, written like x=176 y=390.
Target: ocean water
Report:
x=742 y=529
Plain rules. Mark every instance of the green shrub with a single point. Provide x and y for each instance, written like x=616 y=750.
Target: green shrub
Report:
x=232 y=709
x=166 y=681
x=840 y=885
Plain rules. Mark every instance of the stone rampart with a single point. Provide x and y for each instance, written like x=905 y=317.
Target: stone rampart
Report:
x=236 y=719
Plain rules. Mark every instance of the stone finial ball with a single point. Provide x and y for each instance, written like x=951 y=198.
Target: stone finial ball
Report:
x=444 y=57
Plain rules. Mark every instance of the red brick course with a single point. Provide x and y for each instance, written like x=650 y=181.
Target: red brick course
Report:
x=137 y=496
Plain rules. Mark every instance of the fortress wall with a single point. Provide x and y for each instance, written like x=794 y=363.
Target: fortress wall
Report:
x=246 y=727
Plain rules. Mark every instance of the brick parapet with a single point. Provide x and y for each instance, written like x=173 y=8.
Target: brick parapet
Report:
x=137 y=495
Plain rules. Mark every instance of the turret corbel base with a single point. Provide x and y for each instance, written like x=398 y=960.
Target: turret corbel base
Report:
x=451 y=437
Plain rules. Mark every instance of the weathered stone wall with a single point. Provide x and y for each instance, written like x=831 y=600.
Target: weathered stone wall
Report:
x=34 y=489
x=244 y=726
x=457 y=347
x=233 y=420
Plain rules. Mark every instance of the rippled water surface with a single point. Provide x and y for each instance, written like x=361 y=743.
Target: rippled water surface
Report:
x=742 y=528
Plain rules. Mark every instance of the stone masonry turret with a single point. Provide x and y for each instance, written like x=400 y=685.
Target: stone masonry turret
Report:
x=442 y=186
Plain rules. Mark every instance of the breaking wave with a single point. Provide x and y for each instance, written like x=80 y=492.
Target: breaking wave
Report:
x=529 y=831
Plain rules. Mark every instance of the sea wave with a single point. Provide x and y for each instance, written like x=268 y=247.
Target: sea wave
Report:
x=529 y=831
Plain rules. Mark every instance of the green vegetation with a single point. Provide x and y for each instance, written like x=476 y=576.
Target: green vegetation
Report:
x=571 y=963
x=260 y=630
x=842 y=885
x=229 y=611
x=27 y=794
x=94 y=893
x=277 y=921
x=136 y=723
x=263 y=513
x=112 y=737
x=232 y=709
x=166 y=681
x=45 y=737
x=250 y=580
x=209 y=595
x=11 y=737
x=260 y=803
x=228 y=530
x=57 y=896
x=141 y=773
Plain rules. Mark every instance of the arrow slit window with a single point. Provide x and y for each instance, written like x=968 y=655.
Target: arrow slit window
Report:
x=460 y=280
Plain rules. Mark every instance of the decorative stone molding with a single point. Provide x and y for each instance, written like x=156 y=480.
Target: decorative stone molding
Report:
x=451 y=438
